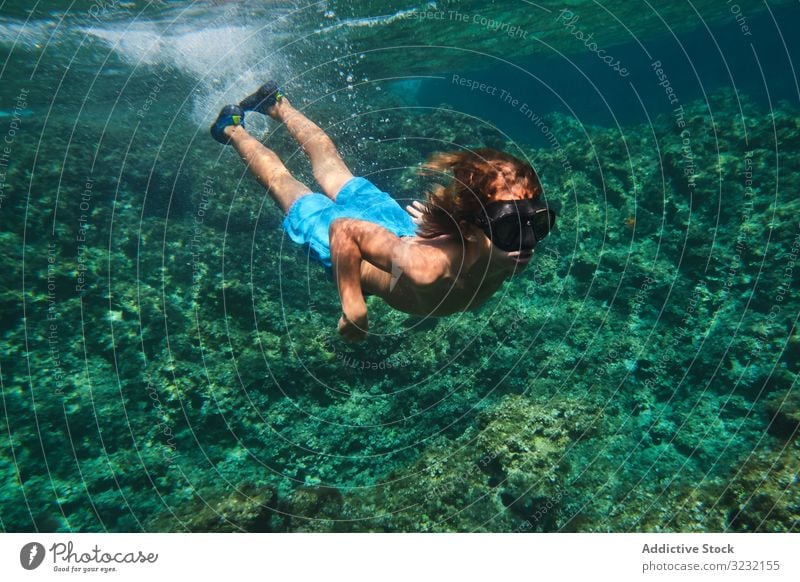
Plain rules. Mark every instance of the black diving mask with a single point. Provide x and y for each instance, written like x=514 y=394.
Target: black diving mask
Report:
x=516 y=225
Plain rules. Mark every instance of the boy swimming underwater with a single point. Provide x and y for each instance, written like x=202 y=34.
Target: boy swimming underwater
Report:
x=443 y=256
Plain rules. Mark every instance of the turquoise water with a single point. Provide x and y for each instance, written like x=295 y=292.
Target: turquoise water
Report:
x=170 y=360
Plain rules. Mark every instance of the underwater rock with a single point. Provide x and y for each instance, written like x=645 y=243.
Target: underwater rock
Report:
x=247 y=509
x=783 y=413
x=764 y=496
x=313 y=509
x=509 y=474
x=528 y=442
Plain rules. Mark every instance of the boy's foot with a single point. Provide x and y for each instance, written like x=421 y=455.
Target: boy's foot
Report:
x=229 y=115
x=265 y=97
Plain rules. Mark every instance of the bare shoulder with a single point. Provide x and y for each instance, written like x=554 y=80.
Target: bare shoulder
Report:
x=423 y=261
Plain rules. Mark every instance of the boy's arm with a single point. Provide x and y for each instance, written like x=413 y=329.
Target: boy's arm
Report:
x=353 y=241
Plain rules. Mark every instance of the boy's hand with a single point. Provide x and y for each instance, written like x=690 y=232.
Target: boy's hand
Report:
x=353 y=328
x=416 y=209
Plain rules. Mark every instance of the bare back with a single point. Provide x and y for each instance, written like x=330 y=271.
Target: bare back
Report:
x=452 y=280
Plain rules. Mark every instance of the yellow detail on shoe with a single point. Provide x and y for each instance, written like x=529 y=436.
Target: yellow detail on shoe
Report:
x=236 y=119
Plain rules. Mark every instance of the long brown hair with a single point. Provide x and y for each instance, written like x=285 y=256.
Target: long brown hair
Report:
x=477 y=177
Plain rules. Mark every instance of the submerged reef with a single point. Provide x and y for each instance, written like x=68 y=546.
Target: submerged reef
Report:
x=177 y=367
x=507 y=472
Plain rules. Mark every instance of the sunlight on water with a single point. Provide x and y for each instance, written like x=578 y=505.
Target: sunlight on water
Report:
x=220 y=61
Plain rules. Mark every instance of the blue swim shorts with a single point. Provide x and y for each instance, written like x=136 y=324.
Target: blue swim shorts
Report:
x=310 y=217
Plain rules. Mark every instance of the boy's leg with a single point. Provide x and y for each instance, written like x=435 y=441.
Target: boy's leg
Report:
x=329 y=169
x=267 y=168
